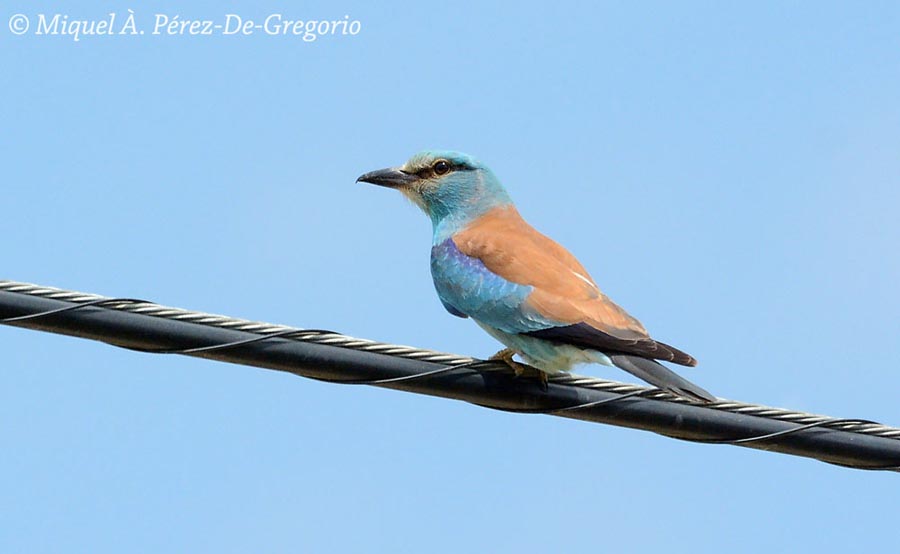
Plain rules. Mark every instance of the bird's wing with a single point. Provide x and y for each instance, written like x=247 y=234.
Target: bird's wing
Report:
x=562 y=290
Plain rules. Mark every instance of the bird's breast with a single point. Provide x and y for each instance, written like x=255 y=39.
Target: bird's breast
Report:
x=465 y=284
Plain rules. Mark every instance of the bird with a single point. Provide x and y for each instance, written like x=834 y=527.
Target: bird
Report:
x=521 y=287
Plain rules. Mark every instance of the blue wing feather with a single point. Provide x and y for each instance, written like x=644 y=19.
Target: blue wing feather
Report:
x=452 y=310
x=465 y=286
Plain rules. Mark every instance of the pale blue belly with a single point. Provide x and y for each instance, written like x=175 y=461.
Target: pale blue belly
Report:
x=545 y=355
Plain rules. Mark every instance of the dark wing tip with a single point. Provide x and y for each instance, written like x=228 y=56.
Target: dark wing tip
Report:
x=586 y=336
x=677 y=356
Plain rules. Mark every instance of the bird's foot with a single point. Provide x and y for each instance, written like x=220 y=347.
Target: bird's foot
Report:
x=506 y=356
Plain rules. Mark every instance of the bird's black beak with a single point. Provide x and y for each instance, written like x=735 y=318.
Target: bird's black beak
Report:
x=391 y=177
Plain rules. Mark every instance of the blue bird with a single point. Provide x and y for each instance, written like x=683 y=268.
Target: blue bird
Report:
x=524 y=289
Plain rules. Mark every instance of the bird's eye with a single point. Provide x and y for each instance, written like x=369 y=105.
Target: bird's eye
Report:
x=441 y=167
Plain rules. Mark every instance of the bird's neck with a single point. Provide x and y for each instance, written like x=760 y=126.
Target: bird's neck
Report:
x=451 y=222
x=459 y=202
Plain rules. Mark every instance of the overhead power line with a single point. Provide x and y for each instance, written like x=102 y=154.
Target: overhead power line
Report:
x=333 y=357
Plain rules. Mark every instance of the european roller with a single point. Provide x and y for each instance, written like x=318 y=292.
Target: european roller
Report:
x=524 y=289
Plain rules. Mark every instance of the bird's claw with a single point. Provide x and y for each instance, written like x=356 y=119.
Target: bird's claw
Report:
x=544 y=378
x=506 y=356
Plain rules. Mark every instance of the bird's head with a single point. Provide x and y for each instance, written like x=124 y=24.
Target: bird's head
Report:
x=451 y=187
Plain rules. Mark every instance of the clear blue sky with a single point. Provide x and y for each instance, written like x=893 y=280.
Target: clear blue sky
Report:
x=730 y=175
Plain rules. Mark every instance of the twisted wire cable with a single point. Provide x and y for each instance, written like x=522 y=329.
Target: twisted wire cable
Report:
x=266 y=332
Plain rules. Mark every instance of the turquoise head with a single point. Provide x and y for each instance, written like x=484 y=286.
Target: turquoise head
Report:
x=451 y=187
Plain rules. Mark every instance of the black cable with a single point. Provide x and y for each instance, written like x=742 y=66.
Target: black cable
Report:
x=497 y=390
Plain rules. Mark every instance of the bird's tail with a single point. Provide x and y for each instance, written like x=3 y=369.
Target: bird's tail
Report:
x=657 y=374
